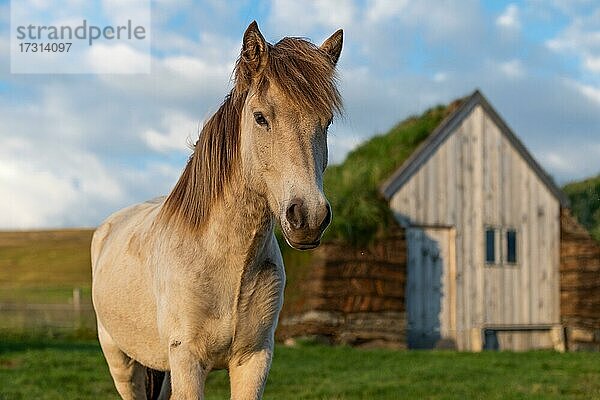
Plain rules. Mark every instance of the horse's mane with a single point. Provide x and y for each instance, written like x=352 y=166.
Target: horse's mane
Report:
x=306 y=76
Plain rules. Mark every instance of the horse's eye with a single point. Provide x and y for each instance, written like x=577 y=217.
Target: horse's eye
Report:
x=260 y=119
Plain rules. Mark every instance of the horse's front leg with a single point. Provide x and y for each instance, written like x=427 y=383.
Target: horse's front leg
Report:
x=188 y=373
x=248 y=375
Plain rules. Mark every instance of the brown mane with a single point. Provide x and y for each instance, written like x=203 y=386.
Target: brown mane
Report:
x=304 y=73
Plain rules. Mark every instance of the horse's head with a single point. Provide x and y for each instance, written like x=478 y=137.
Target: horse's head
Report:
x=291 y=100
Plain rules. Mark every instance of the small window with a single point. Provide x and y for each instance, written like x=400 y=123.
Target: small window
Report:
x=490 y=246
x=511 y=246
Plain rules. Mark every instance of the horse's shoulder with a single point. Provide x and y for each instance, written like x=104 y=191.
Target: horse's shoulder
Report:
x=128 y=217
x=126 y=230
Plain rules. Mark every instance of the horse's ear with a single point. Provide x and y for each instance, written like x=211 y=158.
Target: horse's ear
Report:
x=254 y=49
x=333 y=46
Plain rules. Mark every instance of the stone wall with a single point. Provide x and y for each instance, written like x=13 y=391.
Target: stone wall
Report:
x=580 y=285
x=349 y=295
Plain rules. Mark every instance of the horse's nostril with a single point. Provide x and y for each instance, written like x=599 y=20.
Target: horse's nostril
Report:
x=295 y=213
x=326 y=219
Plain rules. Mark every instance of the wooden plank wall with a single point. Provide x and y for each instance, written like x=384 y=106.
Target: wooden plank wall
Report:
x=477 y=179
x=515 y=198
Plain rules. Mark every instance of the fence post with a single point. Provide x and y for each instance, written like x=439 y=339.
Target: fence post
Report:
x=77 y=306
x=77 y=299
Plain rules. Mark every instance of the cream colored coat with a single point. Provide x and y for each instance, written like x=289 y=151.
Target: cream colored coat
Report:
x=173 y=296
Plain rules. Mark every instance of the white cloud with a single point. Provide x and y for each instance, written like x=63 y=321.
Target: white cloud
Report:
x=570 y=162
x=509 y=19
x=581 y=38
x=442 y=20
x=21 y=192
x=180 y=131
x=558 y=161
x=119 y=11
x=378 y=10
x=589 y=91
x=196 y=71
x=592 y=63
x=38 y=5
x=194 y=68
x=571 y=8
x=575 y=37
x=440 y=77
x=512 y=69
x=294 y=18
x=117 y=59
x=173 y=3
x=59 y=188
x=336 y=13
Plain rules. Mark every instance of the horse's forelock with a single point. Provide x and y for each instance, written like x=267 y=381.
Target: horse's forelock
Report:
x=304 y=72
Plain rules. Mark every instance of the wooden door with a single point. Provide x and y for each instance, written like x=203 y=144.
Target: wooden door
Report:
x=431 y=288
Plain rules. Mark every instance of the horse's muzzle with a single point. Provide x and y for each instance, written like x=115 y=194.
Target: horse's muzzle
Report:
x=302 y=230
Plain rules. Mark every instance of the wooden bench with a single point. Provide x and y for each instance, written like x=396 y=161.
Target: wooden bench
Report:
x=490 y=339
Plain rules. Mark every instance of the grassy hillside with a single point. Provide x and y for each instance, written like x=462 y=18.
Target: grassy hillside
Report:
x=585 y=203
x=44 y=266
x=360 y=212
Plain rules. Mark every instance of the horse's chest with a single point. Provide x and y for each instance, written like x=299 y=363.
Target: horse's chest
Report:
x=233 y=316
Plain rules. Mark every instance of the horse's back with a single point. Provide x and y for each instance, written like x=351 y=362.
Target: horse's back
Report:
x=122 y=223
x=122 y=281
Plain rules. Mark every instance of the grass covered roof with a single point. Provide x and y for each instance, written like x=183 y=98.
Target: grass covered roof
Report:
x=360 y=213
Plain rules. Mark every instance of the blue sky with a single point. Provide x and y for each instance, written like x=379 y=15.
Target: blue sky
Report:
x=74 y=148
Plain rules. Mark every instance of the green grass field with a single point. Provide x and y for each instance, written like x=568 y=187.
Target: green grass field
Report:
x=44 y=266
x=61 y=369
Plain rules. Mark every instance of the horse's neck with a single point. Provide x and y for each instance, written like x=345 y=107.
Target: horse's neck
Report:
x=238 y=226
x=244 y=217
